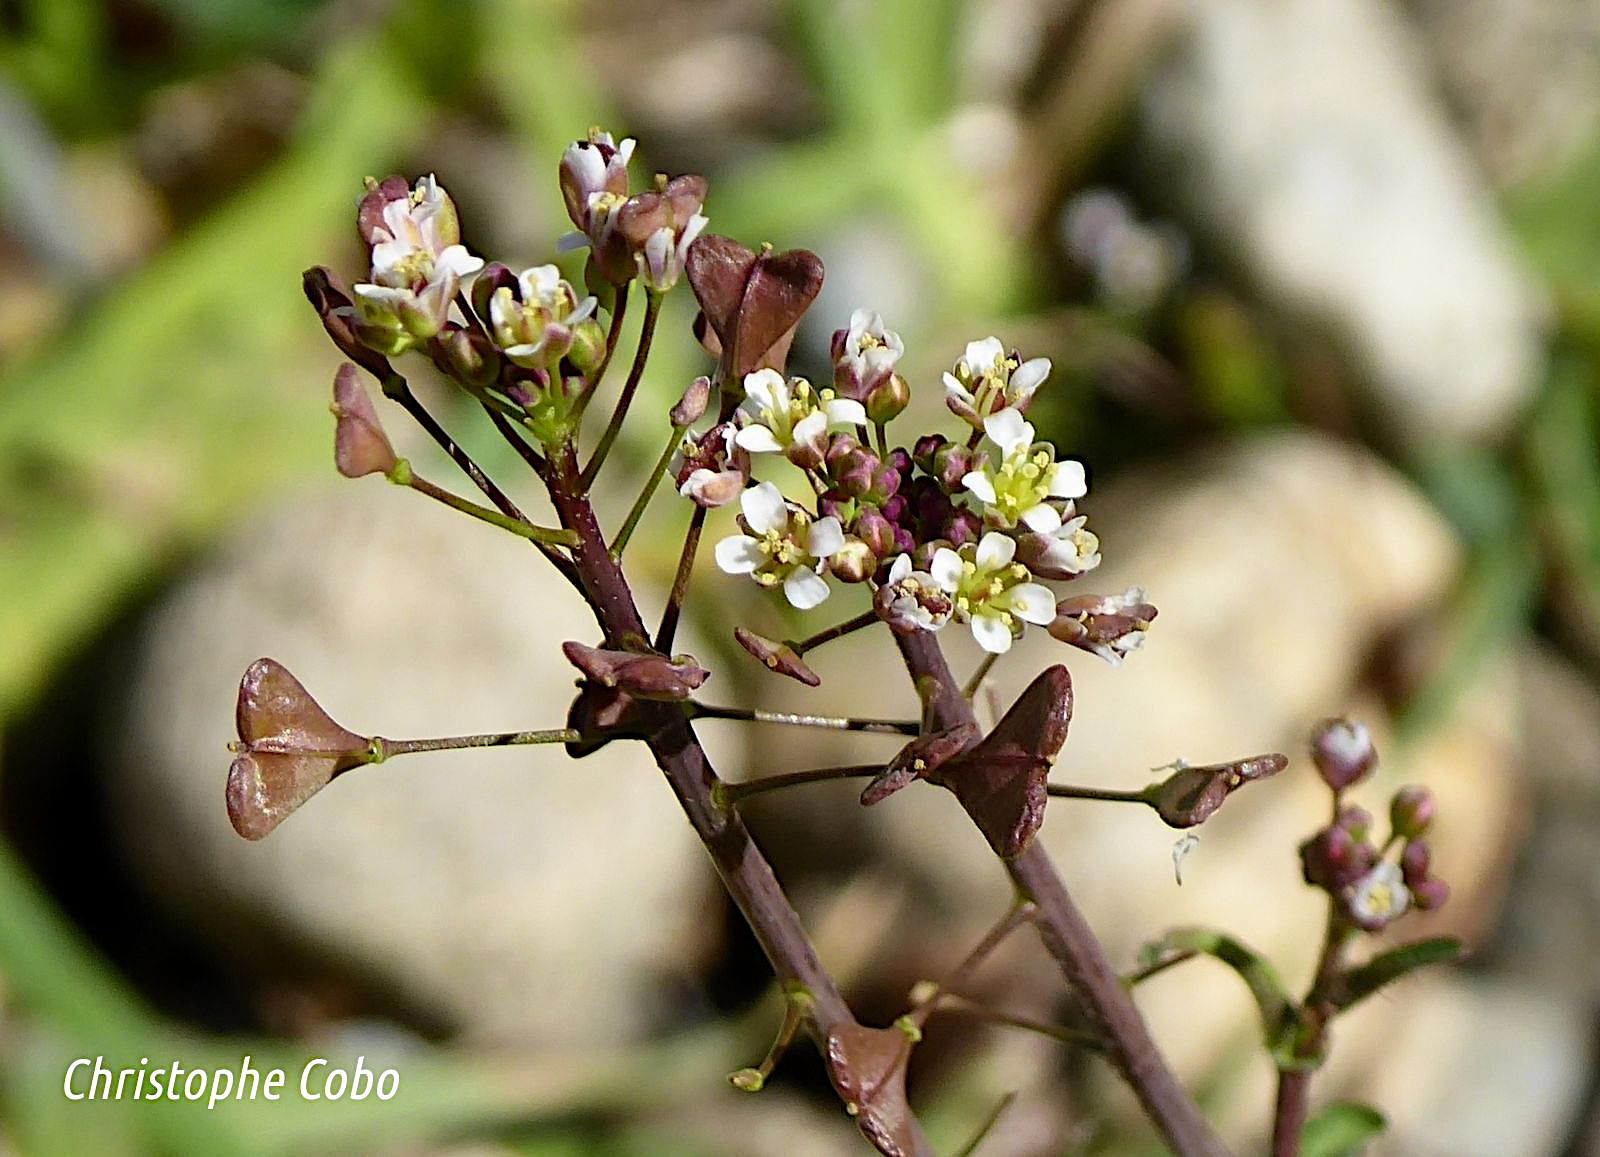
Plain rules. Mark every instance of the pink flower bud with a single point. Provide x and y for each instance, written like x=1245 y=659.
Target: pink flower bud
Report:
x=693 y=404
x=1343 y=752
x=1411 y=812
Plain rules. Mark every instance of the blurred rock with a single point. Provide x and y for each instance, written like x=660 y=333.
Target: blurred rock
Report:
x=1302 y=141
x=515 y=894
x=1501 y=1067
x=1524 y=74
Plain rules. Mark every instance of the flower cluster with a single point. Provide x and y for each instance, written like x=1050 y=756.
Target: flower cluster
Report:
x=943 y=530
x=526 y=343
x=1371 y=890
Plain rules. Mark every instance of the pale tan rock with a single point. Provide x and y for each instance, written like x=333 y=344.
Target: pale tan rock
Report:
x=513 y=893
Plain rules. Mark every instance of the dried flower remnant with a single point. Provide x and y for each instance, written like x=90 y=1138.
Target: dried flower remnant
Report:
x=1191 y=795
x=1110 y=626
x=640 y=673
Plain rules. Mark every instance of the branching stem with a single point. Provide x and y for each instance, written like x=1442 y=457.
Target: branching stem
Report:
x=652 y=309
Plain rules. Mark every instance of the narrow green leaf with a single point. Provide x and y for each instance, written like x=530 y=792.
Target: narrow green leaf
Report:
x=1385 y=968
x=1342 y=1129
x=1279 y=1016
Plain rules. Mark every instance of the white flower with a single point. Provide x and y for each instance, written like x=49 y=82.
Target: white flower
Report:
x=662 y=258
x=1380 y=896
x=990 y=592
x=986 y=381
x=865 y=353
x=535 y=329
x=910 y=600
x=1070 y=551
x=790 y=417
x=1027 y=476
x=417 y=267
x=783 y=546
x=594 y=184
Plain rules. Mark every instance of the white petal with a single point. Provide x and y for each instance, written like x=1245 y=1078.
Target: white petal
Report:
x=901 y=566
x=764 y=508
x=954 y=389
x=995 y=551
x=1033 y=602
x=1008 y=430
x=758 y=440
x=455 y=261
x=981 y=485
x=739 y=554
x=992 y=635
x=825 y=537
x=567 y=242
x=810 y=430
x=691 y=231
x=946 y=568
x=585 y=309
x=804 y=588
x=1029 y=377
x=1043 y=518
x=846 y=412
x=1067 y=480
x=982 y=355
x=768 y=387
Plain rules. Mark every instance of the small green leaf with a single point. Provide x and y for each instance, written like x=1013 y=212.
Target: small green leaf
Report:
x=1343 y=1129
x=1360 y=983
x=1279 y=1015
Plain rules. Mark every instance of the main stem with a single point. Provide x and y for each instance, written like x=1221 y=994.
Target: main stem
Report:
x=745 y=872
x=1294 y=1083
x=1069 y=939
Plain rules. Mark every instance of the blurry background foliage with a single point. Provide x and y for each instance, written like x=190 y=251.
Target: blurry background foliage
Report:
x=168 y=168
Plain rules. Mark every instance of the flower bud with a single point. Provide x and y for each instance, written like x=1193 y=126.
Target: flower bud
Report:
x=370 y=210
x=1411 y=812
x=1343 y=752
x=872 y=528
x=467 y=356
x=692 y=405
x=962 y=527
x=1416 y=864
x=853 y=468
x=952 y=463
x=923 y=451
x=888 y=399
x=779 y=657
x=1333 y=859
x=588 y=348
x=360 y=446
x=855 y=563
x=1357 y=821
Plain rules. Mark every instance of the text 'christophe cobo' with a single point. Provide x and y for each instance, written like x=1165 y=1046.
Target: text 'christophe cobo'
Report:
x=89 y=1079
